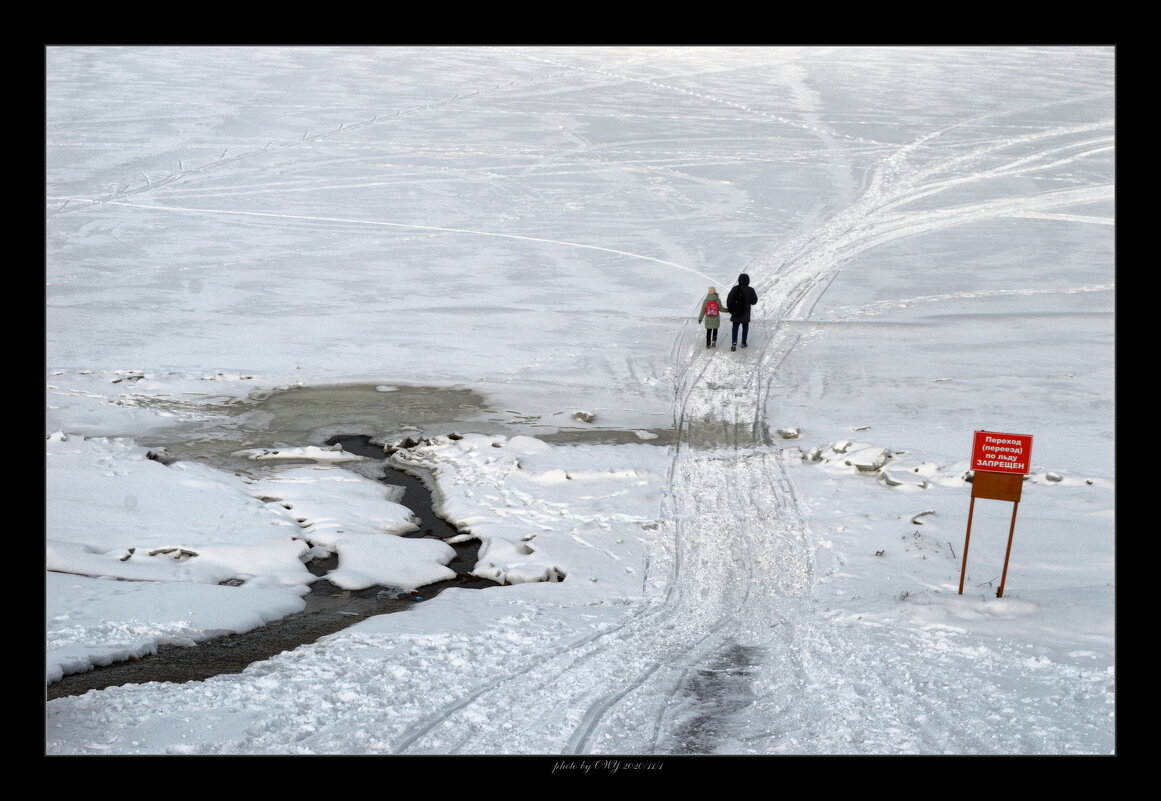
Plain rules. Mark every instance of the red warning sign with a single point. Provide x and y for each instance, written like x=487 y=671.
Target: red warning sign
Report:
x=1002 y=453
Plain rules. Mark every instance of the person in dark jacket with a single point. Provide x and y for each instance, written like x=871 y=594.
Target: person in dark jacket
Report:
x=738 y=304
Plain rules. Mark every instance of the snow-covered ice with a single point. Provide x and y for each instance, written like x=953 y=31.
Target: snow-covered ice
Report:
x=499 y=253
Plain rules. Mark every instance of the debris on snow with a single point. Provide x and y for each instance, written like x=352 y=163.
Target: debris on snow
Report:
x=333 y=453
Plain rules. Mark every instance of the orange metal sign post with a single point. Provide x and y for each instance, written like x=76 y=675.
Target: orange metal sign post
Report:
x=1000 y=462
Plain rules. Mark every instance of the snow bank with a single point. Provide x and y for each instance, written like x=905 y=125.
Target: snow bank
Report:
x=91 y=622
x=547 y=513
x=116 y=512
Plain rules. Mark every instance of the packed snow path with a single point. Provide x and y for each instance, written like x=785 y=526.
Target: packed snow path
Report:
x=815 y=685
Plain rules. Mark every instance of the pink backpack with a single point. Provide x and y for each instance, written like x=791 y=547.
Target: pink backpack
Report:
x=711 y=308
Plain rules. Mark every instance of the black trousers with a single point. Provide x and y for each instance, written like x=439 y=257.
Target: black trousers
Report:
x=745 y=331
x=711 y=335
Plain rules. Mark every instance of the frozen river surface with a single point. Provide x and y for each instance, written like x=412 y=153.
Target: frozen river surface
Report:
x=707 y=552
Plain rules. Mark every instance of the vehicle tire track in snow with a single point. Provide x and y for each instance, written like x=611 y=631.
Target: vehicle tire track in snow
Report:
x=284 y=142
x=812 y=664
x=409 y=226
x=723 y=400
x=850 y=313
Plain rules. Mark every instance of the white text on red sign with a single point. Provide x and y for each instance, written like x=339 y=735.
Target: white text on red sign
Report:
x=1001 y=453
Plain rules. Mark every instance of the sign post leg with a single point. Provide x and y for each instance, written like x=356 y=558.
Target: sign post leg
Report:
x=1008 y=552
x=966 y=539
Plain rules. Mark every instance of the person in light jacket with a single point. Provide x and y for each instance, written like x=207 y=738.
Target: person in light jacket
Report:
x=738 y=303
x=711 y=313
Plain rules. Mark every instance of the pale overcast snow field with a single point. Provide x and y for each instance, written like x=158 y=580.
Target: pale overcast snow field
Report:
x=501 y=252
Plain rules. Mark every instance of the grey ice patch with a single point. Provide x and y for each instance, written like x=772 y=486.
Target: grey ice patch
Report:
x=714 y=693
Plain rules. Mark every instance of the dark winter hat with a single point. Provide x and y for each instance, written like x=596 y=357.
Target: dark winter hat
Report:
x=744 y=279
